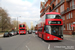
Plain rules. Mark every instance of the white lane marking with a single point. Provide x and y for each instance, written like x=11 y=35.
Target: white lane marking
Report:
x=49 y=47
x=27 y=47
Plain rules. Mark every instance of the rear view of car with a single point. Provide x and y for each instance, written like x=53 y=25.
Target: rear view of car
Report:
x=29 y=32
x=7 y=34
x=12 y=33
x=16 y=32
x=33 y=31
x=36 y=32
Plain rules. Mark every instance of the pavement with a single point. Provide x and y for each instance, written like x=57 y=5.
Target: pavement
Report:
x=1 y=36
x=69 y=35
x=33 y=42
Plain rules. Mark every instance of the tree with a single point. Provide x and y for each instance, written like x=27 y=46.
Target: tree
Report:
x=5 y=23
x=14 y=23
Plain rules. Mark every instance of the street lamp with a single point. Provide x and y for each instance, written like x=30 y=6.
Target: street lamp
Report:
x=17 y=23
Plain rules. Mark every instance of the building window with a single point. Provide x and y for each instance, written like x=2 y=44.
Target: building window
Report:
x=53 y=5
x=72 y=24
x=67 y=16
x=72 y=2
x=71 y=15
x=56 y=2
x=63 y=26
x=62 y=8
x=67 y=26
x=56 y=10
x=63 y=17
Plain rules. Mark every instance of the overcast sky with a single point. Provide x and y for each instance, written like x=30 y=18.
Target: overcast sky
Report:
x=29 y=10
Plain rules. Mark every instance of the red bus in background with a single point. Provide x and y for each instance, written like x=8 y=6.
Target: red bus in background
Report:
x=50 y=26
x=22 y=29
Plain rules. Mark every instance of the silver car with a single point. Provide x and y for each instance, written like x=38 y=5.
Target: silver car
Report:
x=12 y=33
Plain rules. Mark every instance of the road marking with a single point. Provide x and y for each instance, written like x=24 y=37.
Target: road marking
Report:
x=27 y=47
x=49 y=47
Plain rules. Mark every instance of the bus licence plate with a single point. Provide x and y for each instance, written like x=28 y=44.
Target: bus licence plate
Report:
x=22 y=31
x=55 y=38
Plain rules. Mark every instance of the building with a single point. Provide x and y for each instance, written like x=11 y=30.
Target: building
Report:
x=67 y=10
x=26 y=25
x=32 y=26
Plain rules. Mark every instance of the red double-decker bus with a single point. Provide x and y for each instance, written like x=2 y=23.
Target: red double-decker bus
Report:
x=50 y=26
x=22 y=29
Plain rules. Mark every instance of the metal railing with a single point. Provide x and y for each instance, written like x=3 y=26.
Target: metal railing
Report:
x=68 y=9
x=68 y=0
x=61 y=2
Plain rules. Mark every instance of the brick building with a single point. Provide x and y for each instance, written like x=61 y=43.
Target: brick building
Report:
x=67 y=10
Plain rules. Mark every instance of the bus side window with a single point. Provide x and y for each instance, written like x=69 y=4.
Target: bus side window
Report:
x=44 y=27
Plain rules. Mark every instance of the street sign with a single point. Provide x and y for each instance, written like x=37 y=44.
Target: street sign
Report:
x=72 y=25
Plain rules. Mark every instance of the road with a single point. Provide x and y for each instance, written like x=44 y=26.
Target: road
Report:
x=33 y=42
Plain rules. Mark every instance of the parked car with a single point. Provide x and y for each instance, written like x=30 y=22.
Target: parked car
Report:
x=7 y=34
x=15 y=32
x=12 y=33
x=29 y=32
x=36 y=32
x=33 y=31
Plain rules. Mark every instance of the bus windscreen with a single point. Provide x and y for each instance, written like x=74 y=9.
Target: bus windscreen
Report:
x=52 y=16
x=22 y=26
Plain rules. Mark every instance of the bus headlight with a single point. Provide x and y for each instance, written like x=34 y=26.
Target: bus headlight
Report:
x=48 y=37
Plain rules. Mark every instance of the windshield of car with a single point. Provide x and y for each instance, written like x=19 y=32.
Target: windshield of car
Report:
x=6 y=33
x=11 y=32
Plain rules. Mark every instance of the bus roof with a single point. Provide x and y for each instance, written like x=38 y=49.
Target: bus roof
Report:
x=53 y=13
x=21 y=24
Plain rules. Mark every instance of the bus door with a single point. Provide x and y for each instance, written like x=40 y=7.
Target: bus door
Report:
x=48 y=33
x=53 y=31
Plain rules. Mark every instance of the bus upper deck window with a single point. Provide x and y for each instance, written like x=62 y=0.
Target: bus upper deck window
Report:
x=57 y=17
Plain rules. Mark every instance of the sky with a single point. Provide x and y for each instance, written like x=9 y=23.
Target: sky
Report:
x=29 y=10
